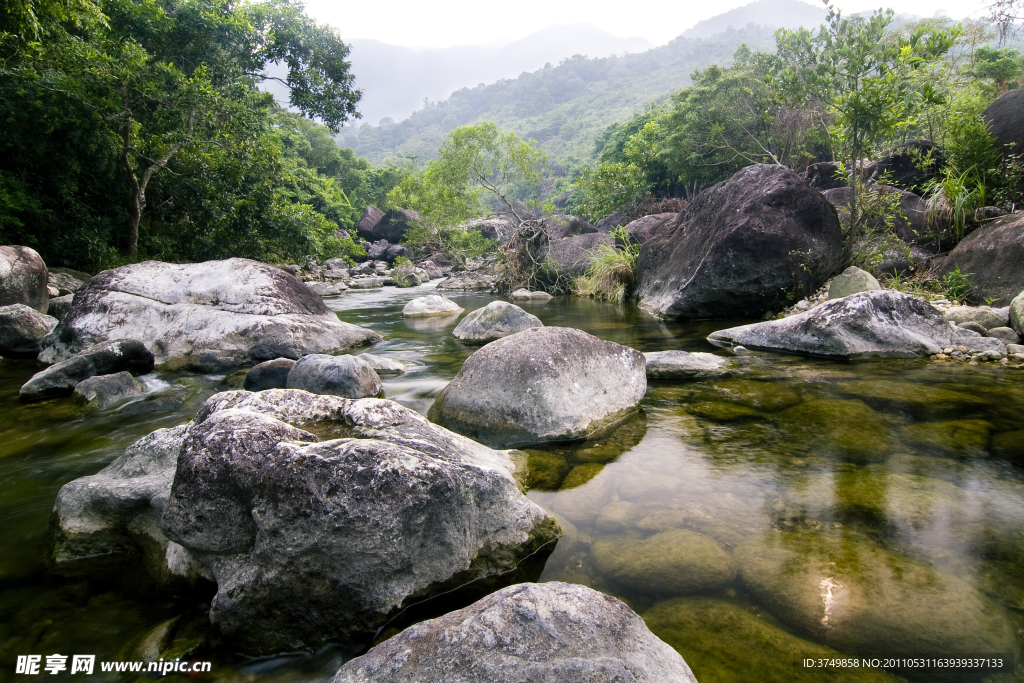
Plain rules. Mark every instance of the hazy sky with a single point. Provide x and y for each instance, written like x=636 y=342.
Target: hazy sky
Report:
x=441 y=23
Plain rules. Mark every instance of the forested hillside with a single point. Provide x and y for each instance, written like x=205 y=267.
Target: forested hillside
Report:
x=563 y=107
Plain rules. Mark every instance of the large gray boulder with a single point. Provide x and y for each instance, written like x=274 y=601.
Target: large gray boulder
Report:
x=545 y=384
x=538 y=632
x=431 y=306
x=875 y=324
x=641 y=229
x=105 y=358
x=22 y=328
x=204 y=316
x=742 y=247
x=23 y=278
x=495 y=320
x=348 y=376
x=322 y=519
x=992 y=255
x=1005 y=119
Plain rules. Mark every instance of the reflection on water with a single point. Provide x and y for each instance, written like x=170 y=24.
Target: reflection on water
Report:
x=796 y=507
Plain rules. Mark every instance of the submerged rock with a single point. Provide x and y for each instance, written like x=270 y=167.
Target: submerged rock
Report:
x=348 y=376
x=100 y=359
x=740 y=248
x=553 y=631
x=104 y=391
x=875 y=324
x=723 y=642
x=22 y=328
x=204 y=316
x=270 y=374
x=664 y=364
x=851 y=281
x=300 y=507
x=382 y=365
x=544 y=384
x=23 y=278
x=844 y=591
x=431 y=305
x=849 y=430
x=671 y=563
x=495 y=320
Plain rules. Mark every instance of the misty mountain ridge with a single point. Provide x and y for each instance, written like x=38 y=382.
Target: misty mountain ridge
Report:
x=775 y=14
x=396 y=80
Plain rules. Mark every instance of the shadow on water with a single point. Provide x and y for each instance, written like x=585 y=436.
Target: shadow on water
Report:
x=795 y=506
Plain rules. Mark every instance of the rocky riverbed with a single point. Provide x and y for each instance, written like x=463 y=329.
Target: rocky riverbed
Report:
x=897 y=482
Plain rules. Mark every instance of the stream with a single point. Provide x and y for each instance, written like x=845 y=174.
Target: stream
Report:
x=797 y=507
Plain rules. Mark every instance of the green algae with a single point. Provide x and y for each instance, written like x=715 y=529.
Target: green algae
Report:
x=848 y=429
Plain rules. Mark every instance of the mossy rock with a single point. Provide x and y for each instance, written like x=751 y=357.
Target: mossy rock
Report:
x=724 y=643
x=719 y=411
x=622 y=438
x=915 y=398
x=842 y=590
x=763 y=396
x=545 y=470
x=236 y=380
x=1009 y=445
x=580 y=475
x=674 y=562
x=955 y=437
x=847 y=429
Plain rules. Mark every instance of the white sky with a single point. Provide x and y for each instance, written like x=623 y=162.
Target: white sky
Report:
x=442 y=23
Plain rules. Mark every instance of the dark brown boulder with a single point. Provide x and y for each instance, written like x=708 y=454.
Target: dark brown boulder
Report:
x=742 y=247
x=914 y=227
x=642 y=228
x=23 y=278
x=910 y=165
x=993 y=257
x=392 y=226
x=572 y=254
x=1005 y=118
x=823 y=175
x=559 y=227
x=371 y=217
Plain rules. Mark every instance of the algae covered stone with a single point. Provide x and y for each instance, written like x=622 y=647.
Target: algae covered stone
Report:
x=674 y=562
x=842 y=590
x=954 y=437
x=847 y=429
x=725 y=643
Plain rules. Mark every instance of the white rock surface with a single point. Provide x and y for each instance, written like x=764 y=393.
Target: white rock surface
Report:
x=664 y=364
x=431 y=305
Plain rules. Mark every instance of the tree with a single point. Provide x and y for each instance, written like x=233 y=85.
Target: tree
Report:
x=167 y=75
x=864 y=76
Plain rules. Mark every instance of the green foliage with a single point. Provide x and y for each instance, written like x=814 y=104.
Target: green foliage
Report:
x=957 y=198
x=880 y=210
x=612 y=271
x=1003 y=67
x=143 y=130
x=600 y=191
x=957 y=285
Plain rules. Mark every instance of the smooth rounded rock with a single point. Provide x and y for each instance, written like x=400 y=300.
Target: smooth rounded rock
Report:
x=671 y=563
x=431 y=305
x=974 y=327
x=23 y=278
x=22 y=329
x=105 y=358
x=683 y=364
x=270 y=374
x=1017 y=314
x=991 y=257
x=382 y=365
x=495 y=320
x=1005 y=334
x=527 y=295
x=980 y=315
x=104 y=391
x=851 y=281
x=347 y=376
x=209 y=316
x=544 y=633
x=545 y=384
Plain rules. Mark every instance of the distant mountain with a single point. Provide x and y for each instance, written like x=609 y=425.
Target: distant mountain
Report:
x=563 y=107
x=396 y=80
x=765 y=13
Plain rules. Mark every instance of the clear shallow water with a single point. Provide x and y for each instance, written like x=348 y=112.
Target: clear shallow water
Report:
x=795 y=506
